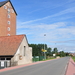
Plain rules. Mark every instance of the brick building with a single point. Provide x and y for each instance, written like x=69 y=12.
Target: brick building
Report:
x=7 y=19
x=14 y=49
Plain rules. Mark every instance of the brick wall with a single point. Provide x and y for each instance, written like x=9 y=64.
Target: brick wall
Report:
x=4 y=12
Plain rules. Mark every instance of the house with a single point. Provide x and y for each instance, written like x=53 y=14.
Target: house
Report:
x=14 y=50
x=72 y=54
x=7 y=18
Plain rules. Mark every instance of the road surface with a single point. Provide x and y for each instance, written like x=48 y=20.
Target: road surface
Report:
x=53 y=67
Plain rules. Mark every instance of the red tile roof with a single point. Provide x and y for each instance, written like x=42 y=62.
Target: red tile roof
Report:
x=10 y=44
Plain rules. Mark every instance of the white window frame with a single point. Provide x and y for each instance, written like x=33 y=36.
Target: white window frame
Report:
x=8 y=22
x=8 y=10
x=8 y=28
x=5 y=7
x=8 y=16
x=12 y=11
x=8 y=34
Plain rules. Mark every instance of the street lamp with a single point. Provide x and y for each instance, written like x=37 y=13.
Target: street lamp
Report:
x=55 y=49
x=44 y=49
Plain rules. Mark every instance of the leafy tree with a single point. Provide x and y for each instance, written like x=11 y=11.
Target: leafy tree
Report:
x=55 y=51
x=61 y=54
x=49 y=51
x=37 y=49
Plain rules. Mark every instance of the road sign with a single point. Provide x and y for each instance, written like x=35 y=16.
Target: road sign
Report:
x=54 y=54
x=44 y=50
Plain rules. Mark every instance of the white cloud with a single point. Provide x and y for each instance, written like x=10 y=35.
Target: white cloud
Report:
x=63 y=47
x=43 y=26
x=54 y=31
x=69 y=10
x=57 y=26
x=65 y=41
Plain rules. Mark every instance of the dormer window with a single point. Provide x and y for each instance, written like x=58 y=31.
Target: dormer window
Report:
x=5 y=7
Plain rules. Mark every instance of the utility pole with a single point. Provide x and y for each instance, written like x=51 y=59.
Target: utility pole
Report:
x=44 y=49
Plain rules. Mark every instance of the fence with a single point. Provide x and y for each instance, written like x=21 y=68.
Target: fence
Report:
x=38 y=58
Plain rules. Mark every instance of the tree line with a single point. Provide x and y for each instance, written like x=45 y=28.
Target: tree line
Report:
x=37 y=50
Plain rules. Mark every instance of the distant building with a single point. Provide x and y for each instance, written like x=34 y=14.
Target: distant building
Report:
x=7 y=19
x=72 y=54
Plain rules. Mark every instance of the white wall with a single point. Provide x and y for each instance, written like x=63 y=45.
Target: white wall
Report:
x=20 y=52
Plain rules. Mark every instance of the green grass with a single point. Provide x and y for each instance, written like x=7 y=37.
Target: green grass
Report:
x=37 y=59
x=73 y=58
x=49 y=59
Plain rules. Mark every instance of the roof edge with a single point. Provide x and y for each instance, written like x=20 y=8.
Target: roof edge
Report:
x=11 y=5
x=19 y=44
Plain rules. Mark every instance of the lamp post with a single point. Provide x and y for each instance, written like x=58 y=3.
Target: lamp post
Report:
x=44 y=49
x=55 y=49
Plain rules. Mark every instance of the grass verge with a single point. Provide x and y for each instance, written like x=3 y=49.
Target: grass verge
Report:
x=73 y=58
x=48 y=59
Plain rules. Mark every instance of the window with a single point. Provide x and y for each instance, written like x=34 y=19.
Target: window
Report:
x=24 y=50
x=12 y=11
x=8 y=28
x=8 y=16
x=8 y=22
x=5 y=7
x=8 y=34
x=8 y=10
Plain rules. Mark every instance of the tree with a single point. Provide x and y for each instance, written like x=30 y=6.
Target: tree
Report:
x=55 y=51
x=37 y=49
x=49 y=53
x=61 y=54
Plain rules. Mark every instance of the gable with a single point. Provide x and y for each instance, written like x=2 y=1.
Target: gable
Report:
x=4 y=2
x=23 y=44
x=10 y=44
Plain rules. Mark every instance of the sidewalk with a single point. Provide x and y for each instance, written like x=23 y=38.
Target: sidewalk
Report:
x=71 y=67
x=15 y=67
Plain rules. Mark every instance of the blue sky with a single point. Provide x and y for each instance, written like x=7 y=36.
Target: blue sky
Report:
x=55 y=18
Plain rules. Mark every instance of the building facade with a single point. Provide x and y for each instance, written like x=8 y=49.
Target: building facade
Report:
x=14 y=51
x=7 y=19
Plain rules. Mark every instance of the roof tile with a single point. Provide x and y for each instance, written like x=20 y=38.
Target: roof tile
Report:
x=10 y=44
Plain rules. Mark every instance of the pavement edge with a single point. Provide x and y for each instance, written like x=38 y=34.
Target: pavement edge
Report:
x=67 y=66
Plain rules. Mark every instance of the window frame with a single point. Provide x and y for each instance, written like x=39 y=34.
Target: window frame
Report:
x=8 y=28
x=8 y=16
x=9 y=22
x=5 y=7
x=8 y=34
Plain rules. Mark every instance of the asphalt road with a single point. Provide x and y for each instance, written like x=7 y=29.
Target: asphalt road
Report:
x=53 y=67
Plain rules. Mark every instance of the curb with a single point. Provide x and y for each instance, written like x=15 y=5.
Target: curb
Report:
x=67 y=66
x=20 y=66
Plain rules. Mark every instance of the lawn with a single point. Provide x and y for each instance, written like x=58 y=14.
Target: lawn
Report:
x=73 y=58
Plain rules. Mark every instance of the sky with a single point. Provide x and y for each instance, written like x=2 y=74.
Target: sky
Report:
x=53 y=18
